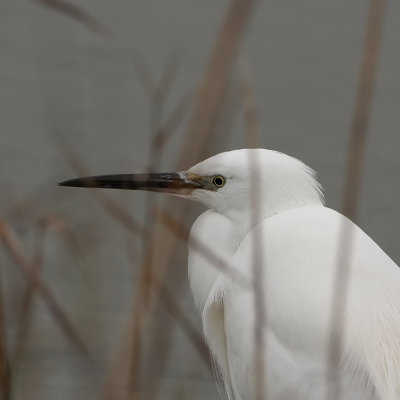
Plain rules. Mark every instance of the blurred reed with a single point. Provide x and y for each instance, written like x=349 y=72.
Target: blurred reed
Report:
x=210 y=109
x=352 y=184
x=77 y=13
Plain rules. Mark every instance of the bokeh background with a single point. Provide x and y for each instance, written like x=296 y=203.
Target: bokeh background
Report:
x=85 y=91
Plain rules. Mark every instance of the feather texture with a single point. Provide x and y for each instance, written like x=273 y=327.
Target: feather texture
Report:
x=300 y=241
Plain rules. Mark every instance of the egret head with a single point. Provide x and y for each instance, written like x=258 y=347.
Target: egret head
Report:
x=256 y=178
x=231 y=183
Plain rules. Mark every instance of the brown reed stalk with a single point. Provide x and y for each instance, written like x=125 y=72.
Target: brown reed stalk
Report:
x=191 y=332
x=69 y=237
x=157 y=105
x=144 y=74
x=5 y=368
x=118 y=212
x=201 y=134
x=353 y=175
x=216 y=81
x=76 y=13
x=171 y=124
x=24 y=317
x=108 y=203
x=362 y=109
x=222 y=131
x=210 y=101
x=16 y=251
x=249 y=103
x=158 y=93
x=258 y=264
x=43 y=225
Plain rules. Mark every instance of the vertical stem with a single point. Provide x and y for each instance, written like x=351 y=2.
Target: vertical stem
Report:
x=5 y=373
x=354 y=169
x=361 y=116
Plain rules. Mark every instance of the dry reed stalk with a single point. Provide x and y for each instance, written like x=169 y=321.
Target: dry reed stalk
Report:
x=144 y=74
x=77 y=14
x=249 y=104
x=258 y=265
x=200 y=137
x=191 y=332
x=210 y=101
x=216 y=81
x=157 y=102
x=24 y=317
x=16 y=251
x=222 y=131
x=258 y=271
x=43 y=225
x=70 y=238
x=353 y=175
x=157 y=105
x=108 y=203
x=118 y=212
x=167 y=79
x=26 y=205
x=169 y=127
x=209 y=105
x=161 y=88
x=158 y=93
x=5 y=368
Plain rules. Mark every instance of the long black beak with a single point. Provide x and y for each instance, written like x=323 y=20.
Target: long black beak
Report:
x=172 y=182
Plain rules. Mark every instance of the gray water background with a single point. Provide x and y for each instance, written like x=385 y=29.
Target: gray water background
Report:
x=58 y=77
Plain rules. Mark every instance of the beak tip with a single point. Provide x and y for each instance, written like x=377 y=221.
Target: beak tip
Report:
x=70 y=183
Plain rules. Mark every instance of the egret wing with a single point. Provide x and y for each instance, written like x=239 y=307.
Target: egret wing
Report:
x=299 y=255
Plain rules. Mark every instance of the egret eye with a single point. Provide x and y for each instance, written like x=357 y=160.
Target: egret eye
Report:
x=218 y=181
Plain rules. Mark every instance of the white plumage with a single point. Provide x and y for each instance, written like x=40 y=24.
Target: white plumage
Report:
x=299 y=242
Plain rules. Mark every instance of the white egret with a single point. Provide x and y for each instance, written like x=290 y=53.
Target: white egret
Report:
x=300 y=240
